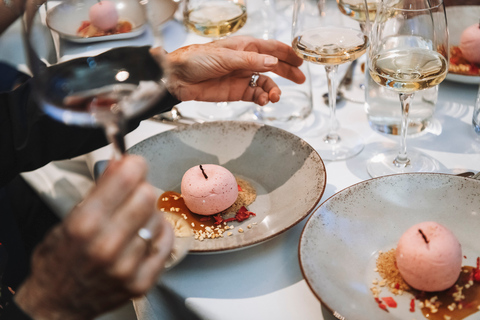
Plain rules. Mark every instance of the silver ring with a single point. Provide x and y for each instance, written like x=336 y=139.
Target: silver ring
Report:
x=146 y=235
x=253 y=80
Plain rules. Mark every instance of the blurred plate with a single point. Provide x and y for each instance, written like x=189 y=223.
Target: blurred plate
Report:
x=67 y=16
x=459 y=18
x=341 y=241
x=288 y=173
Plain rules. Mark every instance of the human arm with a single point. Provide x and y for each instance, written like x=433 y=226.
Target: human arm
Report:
x=221 y=70
x=95 y=261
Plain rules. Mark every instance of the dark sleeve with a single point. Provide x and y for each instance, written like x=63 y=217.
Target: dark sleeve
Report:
x=12 y=312
x=29 y=139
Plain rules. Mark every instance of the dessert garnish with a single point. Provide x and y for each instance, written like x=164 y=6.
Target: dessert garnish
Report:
x=423 y=235
x=203 y=171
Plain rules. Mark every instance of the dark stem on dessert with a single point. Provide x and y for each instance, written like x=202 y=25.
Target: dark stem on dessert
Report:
x=203 y=171
x=423 y=235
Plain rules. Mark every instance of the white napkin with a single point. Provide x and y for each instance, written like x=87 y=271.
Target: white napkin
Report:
x=61 y=184
x=98 y=159
x=293 y=302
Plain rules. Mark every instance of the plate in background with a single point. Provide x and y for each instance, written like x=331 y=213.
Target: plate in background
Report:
x=458 y=19
x=67 y=16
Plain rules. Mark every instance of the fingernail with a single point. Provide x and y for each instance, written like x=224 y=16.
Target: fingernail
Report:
x=270 y=61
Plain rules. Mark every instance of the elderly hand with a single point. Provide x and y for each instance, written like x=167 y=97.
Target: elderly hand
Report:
x=221 y=70
x=95 y=261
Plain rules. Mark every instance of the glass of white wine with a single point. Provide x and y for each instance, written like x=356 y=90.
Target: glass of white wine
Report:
x=216 y=19
x=408 y=53
x=324 y=36
x=355 y=90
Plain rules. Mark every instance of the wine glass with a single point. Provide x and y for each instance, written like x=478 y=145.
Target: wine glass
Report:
x=216 y=19
x=355 y=90
x=98 y=90
x=408 y=53
x=101 y=90
x=321 y=35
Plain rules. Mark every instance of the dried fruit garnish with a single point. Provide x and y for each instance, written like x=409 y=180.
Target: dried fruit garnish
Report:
x=412 y=305
x=381 y=305
x=390 y=302
x=476 y=272
x=241 y=215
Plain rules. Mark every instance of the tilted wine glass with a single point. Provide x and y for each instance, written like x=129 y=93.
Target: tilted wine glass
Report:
x=324 y=36
x=216 y=19
x=408 y=53
x=97 y=90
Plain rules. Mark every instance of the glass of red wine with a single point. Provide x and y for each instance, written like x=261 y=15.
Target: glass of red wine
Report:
x=102 y=90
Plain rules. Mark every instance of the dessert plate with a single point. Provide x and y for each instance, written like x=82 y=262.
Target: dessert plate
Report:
x=66 y=17
x=341 y=240
x=288 y=174
x=459 y=18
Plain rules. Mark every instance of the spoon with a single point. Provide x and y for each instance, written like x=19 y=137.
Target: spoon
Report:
x=174 y=116
x=346 y=82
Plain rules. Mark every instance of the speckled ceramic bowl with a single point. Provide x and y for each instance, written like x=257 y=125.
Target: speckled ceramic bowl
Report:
x=341 y=241
x=288 y=173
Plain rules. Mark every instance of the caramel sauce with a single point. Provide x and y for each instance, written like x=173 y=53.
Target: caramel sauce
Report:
x=470 y=304
x=173 y=201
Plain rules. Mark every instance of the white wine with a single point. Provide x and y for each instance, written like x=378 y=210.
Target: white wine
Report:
x=216 y=19
x=330 y=45
x=356 y=9
x=409 y=70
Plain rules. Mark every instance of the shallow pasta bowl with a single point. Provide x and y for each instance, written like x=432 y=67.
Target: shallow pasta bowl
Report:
x=65 y=17
x=288 y=174
x=341 y=241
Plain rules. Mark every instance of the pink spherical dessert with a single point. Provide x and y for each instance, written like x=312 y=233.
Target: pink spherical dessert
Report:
x=470 y=43
x=429 y=257
x=103 y=15
x=208 y=189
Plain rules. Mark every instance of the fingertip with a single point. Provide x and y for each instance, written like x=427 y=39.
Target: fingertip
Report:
x=270 y=61
x=275 y=96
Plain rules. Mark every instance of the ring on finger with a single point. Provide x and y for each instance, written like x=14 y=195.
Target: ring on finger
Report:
x=146 y=235
x=253 y=79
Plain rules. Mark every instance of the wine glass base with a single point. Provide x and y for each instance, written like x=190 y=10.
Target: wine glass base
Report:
x=222 y=110
x=348 y=146
x=383 y=164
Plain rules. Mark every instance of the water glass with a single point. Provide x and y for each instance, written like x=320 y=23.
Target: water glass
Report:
x=295 y=102
x=476 y=114
x=384 y=116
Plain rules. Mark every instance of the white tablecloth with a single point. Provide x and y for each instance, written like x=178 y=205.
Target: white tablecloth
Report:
x=265 y=281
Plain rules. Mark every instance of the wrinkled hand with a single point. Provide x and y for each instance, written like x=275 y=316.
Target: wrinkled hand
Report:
x=221 y=70
x=95 y=261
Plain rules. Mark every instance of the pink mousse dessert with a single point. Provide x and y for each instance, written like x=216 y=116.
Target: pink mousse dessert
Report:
x=429 y=257
x=208 y=189
x=470 y=43
x=103 y=15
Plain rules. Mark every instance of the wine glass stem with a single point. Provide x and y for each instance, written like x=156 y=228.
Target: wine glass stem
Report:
x=402 y=158
x=115 y=132
x=332 y=136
